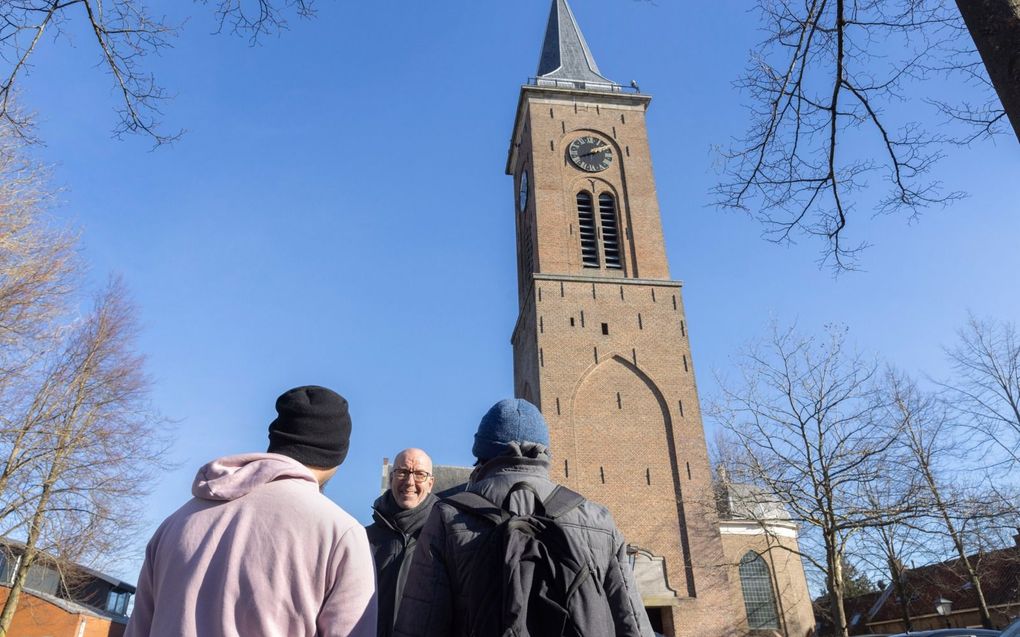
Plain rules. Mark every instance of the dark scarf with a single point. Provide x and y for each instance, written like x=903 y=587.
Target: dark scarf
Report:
x=406 y=521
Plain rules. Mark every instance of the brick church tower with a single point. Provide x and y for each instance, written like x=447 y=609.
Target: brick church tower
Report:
x=601 y=343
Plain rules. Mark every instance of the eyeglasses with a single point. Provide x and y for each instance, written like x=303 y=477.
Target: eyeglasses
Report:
x=419 y=476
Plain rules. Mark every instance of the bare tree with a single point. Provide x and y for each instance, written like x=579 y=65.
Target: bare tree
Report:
x=37 y=275
x=985 y=386
x=36 y=256
x=805 y=415
x=824 y=88
x=888 y=547
x=95 y=447
x=123 y=33
x=930 y=438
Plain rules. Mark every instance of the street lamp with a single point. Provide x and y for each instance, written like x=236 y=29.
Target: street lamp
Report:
x=944 y=607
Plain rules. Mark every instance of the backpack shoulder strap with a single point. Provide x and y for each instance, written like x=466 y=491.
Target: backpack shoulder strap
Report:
x=475 y=504
x=562 y=500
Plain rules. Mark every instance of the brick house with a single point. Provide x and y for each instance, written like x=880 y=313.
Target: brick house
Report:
x=64 y=602
x=883 y=611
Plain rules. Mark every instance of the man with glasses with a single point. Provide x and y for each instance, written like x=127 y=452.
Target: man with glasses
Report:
x=399 y=516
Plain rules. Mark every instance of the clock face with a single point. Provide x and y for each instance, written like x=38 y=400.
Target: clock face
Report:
x=522 y=199
x=590 y=153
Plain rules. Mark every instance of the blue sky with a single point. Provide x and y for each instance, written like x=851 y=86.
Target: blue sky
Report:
x=337 y=214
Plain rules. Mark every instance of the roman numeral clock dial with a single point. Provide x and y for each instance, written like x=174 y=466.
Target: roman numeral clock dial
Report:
x=590 y=154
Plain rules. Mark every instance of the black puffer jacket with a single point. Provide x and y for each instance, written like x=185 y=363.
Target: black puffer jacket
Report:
x=393 y=536
x=436 y=602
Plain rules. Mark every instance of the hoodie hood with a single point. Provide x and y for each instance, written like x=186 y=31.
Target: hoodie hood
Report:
x=232 y=477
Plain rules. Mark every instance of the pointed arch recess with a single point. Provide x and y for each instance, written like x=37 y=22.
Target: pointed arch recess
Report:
x=615 y=358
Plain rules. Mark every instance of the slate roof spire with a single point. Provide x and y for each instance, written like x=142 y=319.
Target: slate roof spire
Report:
x=566 y=59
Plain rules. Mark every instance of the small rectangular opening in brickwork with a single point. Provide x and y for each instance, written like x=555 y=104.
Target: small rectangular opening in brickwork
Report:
x=596 y=355
x=566 y=469
x=633 y=355
x=605 y=329
x=593 y=291
x=674 y=302
x=557 y=406
x=541 y=325
x=562 y=291
x=551 y=116
x=680 y=403
x=571 y=321
x=539 y=295
x=602 y=474
x=614 y=132
x=688 y=471
x=619 y=401
x=541 y=358
x=582 y=318
x=683 y=329
x=640 y=323
x=621 y=293
x=648 y=476
x=623 y=118
x=653 y=295
x=626 y=149
x=686 y=369
x=552 y=146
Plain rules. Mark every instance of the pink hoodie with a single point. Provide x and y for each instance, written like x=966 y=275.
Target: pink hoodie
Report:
x=258 y=552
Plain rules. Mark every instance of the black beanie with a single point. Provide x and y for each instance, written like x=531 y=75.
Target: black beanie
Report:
x=313 y=427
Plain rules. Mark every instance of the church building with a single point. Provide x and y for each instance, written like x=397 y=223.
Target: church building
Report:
x=601 y=346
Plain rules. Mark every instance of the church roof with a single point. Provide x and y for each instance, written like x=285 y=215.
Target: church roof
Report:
x=748 y=502
x=566 y=59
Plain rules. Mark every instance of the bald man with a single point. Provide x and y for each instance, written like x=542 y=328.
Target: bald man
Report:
x=399 y=516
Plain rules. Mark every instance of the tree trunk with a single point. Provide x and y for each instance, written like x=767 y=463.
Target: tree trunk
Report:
x=995 y=27
x=835 y=584
x=20 y=575
x=899 y=581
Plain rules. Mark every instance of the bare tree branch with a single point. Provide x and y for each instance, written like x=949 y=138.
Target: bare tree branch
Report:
x=821 y=85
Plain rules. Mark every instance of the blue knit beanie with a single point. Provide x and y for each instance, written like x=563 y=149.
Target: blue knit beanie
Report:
x=510 y=420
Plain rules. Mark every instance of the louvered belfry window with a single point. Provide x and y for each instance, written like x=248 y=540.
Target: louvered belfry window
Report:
x=586 y=226
x=610 y=230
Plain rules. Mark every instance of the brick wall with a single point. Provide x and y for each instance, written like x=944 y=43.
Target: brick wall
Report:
x=789 y=582
x=37 y=617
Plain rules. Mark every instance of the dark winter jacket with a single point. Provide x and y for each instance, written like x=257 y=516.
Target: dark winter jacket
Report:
x=436 y=602
x=393 y=536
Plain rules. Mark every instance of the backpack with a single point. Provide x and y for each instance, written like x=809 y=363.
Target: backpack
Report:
x=527 y=578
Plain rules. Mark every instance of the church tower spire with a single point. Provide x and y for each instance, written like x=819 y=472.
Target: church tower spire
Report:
x=566 y=59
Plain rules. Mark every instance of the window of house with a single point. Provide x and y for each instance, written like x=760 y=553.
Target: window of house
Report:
x=42 y=579
x=586 y=227
x=8 y=564
x=117 y=602
x=759 y=596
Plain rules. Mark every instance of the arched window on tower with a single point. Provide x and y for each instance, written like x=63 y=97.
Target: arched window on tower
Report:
x=586 y=230
x=610 y=230
x=759 y=596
